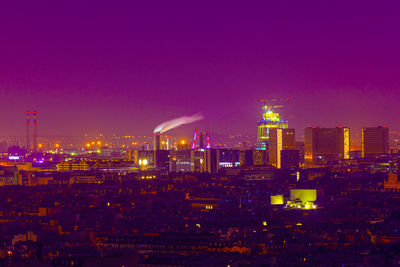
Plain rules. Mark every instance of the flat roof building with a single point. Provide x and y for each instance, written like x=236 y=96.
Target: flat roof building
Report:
x=280 y=139
x=374 y=141
x=325 y=145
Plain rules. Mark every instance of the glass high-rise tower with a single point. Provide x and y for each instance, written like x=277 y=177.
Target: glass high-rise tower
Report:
x=269 y=121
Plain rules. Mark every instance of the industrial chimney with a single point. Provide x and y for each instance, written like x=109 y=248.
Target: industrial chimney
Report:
x=156 y=144
x=34 y=131
x=28 y=144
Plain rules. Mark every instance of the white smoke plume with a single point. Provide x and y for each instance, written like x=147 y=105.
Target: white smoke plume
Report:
x=168 y=125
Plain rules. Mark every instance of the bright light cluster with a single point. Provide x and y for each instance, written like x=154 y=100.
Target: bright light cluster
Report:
x=300 y=205
x=270 y=120
x=143 y=162
x=148 y=177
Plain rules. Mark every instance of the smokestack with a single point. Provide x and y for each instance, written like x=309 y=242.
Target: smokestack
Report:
x=34 y=131
x=28 y=144
x=156 y=142
x=167 y=142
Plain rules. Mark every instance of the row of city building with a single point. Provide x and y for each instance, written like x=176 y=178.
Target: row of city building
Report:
x=160 y=221
x=321 y=147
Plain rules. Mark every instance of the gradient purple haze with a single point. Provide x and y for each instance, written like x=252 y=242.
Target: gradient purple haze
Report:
x=125 y=66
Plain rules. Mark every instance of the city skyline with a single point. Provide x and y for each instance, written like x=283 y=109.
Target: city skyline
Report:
x=128 y=67
x=199 y=133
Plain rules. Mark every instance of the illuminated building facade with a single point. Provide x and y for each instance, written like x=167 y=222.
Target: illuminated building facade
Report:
x=180 y=161
x=277 y=200
x=392 y=182
x=161 y=159
x=374 y=141
x=69 y=166
x=280 y=139
x=260 y=157
x=270 y=120
x=228 y=158
x=325 y=145
x=197 y=161
x=148 y=155
x=302 y=199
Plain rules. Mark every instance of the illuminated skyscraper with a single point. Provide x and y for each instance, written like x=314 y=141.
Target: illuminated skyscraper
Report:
x=280 y=139
x=375 y=141
x=325 y=145
x=270 y=120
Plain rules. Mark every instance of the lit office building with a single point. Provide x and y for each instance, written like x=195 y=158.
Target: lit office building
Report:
x=280 y=139
x=161 y=159
x=228 y=158
x=180 y=161
x=197 y=161
x=260 y=157
x=146 y=159
x=374 y=141
x=326 y=145
x=270 y=120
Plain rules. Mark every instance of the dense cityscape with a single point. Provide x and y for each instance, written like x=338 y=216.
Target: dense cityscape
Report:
x=199 y=133
x=160 y=201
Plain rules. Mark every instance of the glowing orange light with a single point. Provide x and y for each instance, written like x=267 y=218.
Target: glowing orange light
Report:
x=57 y=145
x=40 y=145
x=183 y=142
x=99 y=143
x=88 y=145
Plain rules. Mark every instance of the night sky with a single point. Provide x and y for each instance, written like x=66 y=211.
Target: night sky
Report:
x=125 y=66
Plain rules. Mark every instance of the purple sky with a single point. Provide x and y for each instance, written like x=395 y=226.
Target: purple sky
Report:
x=125 y=66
